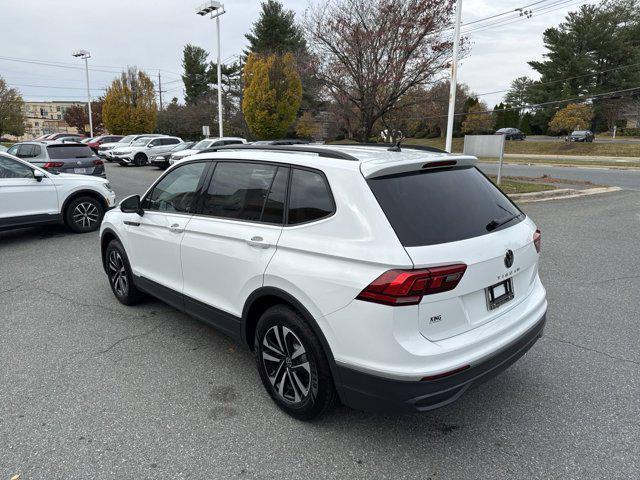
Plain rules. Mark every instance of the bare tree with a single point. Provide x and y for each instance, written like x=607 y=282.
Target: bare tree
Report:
x=372 y=52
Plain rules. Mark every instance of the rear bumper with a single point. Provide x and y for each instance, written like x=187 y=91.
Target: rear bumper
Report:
x=367 y=392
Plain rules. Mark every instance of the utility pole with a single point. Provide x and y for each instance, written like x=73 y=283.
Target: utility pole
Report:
x=454 y=76
x=86 y=56
x=160 y=88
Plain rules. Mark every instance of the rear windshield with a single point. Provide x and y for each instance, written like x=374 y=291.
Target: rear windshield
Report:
x=441 y=206
x=58 y=152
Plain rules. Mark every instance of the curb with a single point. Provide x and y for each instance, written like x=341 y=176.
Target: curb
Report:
x=560 y=194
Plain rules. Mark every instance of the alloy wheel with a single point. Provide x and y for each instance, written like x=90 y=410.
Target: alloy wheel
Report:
x=86 y=214
x=287 y=365
x=118 y=273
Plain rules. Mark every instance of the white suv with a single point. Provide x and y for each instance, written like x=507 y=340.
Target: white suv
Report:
x=32 y=196
x=392 y=280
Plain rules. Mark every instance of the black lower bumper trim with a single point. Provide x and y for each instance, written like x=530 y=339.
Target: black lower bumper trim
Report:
x=368 y=392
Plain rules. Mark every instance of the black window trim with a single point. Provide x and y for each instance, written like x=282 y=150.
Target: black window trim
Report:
x=208 y=175
x=198 y=192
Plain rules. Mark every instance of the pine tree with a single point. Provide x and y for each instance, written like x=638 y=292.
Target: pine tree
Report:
x=196 y=73
x=275 y=32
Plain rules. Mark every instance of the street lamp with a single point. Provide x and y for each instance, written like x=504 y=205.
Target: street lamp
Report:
x=215 y=10
x=86 y=56
x=454 y=77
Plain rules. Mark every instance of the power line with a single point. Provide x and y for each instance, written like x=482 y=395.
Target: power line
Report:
x=550 y=82
x=51 y=86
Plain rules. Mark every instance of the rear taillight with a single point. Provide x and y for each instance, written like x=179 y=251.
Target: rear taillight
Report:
x=537 y=240
x=407 y=287
x=53 y=165
x=98 y=162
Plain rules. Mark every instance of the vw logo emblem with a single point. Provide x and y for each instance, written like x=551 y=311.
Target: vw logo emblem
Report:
x=508 y=259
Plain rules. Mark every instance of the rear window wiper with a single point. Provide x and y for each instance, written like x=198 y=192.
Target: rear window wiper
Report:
x=498 y=222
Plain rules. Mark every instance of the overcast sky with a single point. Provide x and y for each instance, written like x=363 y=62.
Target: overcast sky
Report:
x=151 y=34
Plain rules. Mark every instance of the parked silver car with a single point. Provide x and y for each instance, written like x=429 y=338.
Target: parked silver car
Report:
x=104 y=150
x=60 y=157
x=140 y=151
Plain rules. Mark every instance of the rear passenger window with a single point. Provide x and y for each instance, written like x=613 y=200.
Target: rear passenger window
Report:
x=239 y=190
x=310 y=198
x=273 y=211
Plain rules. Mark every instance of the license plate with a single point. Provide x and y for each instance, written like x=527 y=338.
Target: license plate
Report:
x=79 y=170
x=499 y=294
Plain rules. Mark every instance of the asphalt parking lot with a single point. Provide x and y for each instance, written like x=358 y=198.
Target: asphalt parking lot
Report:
x=93 y=389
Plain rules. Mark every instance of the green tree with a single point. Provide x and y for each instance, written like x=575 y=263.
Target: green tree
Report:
x=11 y=113
x=505 y=116
x=130 y=104
x=477 y=120
x=196 y=74
x=272 y=94
x=575 y=116
x=275 y=31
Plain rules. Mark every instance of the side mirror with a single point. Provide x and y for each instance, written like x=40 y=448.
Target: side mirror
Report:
x=38 y=175
x=131 y=205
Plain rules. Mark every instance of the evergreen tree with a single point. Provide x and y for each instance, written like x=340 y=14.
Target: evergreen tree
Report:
x=275 y=31
x=272 y=94
x=196 y=74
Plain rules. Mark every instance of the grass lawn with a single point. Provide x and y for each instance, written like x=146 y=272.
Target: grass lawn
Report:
x=510 y=186
x=547 y=148
x=6 y=144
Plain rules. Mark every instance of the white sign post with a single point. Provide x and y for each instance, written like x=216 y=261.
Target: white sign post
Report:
x=205 y=131
x=486 y=146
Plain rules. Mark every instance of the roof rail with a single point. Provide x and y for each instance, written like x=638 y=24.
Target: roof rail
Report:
x=321 y=152
x=423 y=148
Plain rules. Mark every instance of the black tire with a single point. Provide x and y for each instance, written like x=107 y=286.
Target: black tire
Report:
x=139 y=160
x=84 y=214
x=280 y=334
x=120 y=275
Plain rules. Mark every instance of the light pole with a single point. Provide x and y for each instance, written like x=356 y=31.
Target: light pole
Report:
x=216 y=9
x=86 y=56
x=454 y=76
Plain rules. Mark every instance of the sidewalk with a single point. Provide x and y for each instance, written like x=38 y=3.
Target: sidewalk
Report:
x=572 y=158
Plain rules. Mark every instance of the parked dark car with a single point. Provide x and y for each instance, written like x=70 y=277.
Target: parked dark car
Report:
x=162 y=159
x=59 y=157
x=511 y=134
x=581 y=136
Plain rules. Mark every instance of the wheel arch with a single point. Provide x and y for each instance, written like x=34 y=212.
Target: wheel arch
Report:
x=263 y=298
x=107 y=235
x=84 y=193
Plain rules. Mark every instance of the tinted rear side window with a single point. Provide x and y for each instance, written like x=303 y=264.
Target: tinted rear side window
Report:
x=238 y=190
x=310 y=198
x=59 y=152
x=441 y=206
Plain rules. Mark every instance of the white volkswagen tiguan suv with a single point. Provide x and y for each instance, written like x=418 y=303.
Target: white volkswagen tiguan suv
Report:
x=31 y=196
x=391 y=280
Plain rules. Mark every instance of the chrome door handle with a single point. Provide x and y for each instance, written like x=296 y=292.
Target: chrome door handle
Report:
x=175 y=228
x=258 y=242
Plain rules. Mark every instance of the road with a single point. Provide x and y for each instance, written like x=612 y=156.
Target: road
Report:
x=92 y=389
x=627 y=179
